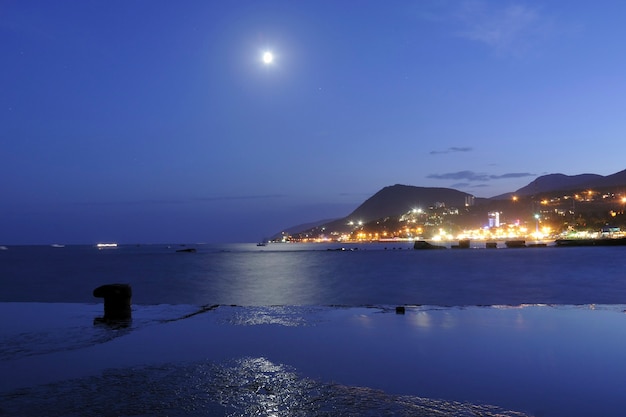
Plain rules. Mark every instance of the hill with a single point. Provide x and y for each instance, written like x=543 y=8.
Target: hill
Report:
x=396 y=200
x=557 y=182
x=560 y=183
x=614 y=180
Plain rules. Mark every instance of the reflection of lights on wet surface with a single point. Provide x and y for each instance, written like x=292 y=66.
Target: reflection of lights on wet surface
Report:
x=283 y=316
x=248 y=386
x=421 y=319
x=431 y=319
x=449 y=321
x=364 y=320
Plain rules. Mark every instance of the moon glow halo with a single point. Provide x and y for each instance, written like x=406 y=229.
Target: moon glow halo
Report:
x=268 y=57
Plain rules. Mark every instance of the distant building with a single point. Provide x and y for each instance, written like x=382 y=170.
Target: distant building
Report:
x=494 y=219
x=609 y=230
x=469 y=200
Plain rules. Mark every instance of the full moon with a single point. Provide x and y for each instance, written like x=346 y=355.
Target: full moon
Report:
x=268 y=57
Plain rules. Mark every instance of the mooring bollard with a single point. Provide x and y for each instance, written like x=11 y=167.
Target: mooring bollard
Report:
x=116 y=300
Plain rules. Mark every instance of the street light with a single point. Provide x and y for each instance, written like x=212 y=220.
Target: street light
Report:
x=537 y=224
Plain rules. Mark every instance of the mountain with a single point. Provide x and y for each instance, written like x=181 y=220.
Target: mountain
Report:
x=560 y=182
x=399 y=199
x=396 y=200
x=556 y=182
x=614 y=180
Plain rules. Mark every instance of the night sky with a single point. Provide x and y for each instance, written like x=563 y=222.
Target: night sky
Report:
x=159 y=121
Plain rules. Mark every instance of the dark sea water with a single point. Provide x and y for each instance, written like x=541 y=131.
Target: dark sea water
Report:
x=311 y=330
x=310 y=274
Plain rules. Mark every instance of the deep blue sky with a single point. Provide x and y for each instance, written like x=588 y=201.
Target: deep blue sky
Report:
x=157 y=121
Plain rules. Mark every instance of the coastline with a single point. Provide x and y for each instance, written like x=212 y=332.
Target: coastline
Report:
x=442 y=356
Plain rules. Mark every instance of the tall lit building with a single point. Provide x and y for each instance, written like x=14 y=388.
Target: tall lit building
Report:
x=494 y=219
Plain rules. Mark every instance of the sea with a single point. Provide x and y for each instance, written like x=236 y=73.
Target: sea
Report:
x=317 y=329
x=317 y=274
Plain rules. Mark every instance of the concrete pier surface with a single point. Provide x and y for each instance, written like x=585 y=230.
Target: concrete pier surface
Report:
x=528 y=360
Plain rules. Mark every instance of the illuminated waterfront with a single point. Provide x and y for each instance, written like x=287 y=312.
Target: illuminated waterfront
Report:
x=585 y=215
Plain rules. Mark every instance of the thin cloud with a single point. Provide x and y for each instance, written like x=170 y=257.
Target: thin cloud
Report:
x=510 y=29
x=514 y=175
x=451 y=150
x=466 y=185
x=477 y=176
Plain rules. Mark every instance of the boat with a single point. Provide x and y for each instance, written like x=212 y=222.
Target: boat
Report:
x=187 y=250
x=106 y=245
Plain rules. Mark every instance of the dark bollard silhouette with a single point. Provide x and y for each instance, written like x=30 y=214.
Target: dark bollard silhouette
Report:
x=116 y=301
x=400 y=310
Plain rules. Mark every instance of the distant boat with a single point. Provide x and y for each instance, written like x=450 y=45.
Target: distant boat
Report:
x=106 y=245
x=187 y=250
x=56 y=245
x=261 y=244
